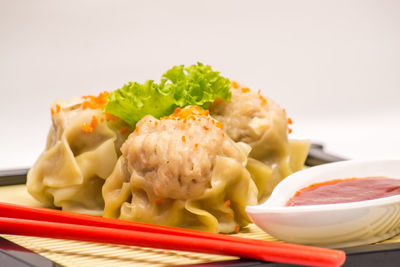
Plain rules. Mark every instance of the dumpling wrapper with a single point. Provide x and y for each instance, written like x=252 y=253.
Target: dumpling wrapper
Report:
x=262 y=124
x=219 y=207
x=72 y=169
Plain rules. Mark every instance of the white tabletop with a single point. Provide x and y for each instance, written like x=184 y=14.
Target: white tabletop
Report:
x=334 y=65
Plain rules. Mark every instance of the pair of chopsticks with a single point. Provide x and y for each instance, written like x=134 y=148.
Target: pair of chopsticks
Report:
x=40 y=222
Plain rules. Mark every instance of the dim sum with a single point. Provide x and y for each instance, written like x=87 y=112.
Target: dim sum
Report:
x=81 y=151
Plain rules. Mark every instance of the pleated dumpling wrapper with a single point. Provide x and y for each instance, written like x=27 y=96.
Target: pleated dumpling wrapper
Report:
x=261 y=123
x=184 y=171
x=82 y=149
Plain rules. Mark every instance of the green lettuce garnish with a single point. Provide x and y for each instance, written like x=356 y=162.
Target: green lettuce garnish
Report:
x=179 y=87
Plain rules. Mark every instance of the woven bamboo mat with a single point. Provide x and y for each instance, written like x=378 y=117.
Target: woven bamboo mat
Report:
x=76 y=253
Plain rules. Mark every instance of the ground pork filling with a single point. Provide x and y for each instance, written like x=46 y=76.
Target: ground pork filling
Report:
x=249 y=115
x=176 y=154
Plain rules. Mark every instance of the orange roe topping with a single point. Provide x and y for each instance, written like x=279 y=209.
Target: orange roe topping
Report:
x=196 y=145
x=101 y=119
x=229 y=215
x=290 y=130
x=89 y=127
x=284 y=111
x=235 y=85
x=94 y=122
x=95 y=102
x=137 y=129
x=58 y=108
x=227 y=203
x=110 y=117
x=193 y=113
x=263 y=100
x=86 y=127
x=183 y=138
x=188 y=112
x=245 y=90
x=289 y=121
x=219 y=101
x=237 y=229
x=159 y=201
x=124 y=130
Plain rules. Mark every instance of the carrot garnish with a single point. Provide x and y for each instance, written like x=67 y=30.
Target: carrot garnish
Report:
x=110 y=117
x=95 y=102
x=235 y=85
x=159 y=201
x=263 y=100
x=219 y=125
x=93 y=122
x=124 y=130
x=86 y=127
x=227 y=203
x=89 y=127
x=219 y=101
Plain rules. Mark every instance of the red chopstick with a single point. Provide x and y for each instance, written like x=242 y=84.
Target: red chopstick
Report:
x=40 y=222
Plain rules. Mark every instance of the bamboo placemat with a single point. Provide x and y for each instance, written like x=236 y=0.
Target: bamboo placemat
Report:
x=76 y=253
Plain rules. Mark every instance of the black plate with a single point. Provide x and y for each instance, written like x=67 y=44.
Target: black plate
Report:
x=14 y=255
x=381 y=255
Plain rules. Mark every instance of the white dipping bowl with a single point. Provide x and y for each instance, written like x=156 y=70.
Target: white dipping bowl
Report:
x=331 y=225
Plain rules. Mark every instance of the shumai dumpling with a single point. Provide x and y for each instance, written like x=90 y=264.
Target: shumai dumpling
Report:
x=261 y=123
x=183 y=171
x=82 y=149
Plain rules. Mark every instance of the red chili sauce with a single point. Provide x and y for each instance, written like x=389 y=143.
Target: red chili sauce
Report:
x=346 y=190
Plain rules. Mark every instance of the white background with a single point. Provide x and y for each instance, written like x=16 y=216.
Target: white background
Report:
x=334 y=65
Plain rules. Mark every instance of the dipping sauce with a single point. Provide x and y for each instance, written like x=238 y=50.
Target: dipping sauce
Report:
x=346 y=190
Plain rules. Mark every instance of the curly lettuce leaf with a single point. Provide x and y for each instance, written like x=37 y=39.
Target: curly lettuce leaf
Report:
x=179 y=87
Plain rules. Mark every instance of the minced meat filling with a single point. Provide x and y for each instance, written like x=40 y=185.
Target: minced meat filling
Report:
x=176 y=154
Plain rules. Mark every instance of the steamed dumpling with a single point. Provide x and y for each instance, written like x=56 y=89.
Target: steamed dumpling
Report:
x=262 y=124
x=176 y=159
x=81 y=151
x=255 y=120
x=181 y=170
